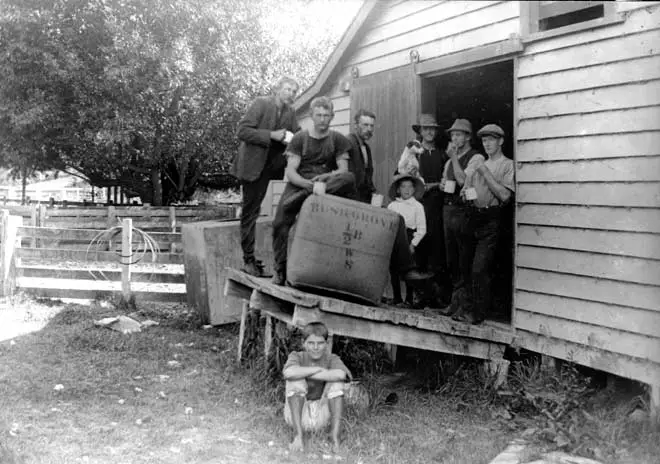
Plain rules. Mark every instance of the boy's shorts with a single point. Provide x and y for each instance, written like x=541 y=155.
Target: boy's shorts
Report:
x=315 y=413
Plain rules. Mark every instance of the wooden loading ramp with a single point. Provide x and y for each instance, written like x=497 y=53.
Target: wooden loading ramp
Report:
x=385 y=324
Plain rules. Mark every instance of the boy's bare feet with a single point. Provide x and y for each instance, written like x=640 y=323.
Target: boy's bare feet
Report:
x=297 y=444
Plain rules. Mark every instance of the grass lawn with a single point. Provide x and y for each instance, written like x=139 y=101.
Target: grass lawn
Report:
x=72 y=392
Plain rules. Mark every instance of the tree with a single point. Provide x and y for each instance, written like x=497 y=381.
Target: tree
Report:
x=145 y=94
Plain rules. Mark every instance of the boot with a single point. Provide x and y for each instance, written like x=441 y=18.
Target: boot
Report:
x=279 y=278
x=255 y=268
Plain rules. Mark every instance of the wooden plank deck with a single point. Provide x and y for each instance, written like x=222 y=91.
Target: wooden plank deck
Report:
x=405 y=327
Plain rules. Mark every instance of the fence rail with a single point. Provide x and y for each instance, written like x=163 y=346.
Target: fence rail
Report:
x=146 y=217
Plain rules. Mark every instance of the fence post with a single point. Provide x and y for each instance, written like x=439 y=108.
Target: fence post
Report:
x=112 y=216
x=173 y=218
x=41 y=221
x=9 y=230
x=126 y=257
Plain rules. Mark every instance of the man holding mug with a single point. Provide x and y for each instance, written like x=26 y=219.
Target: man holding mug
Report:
x=456 y=216
x=263 y=132
x=489 y=185
x=431 y=251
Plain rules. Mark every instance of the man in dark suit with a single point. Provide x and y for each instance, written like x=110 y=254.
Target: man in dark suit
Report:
x=264 y=132
x=360 y=162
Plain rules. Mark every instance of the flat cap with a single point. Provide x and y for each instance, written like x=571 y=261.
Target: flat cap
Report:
x=491 y=129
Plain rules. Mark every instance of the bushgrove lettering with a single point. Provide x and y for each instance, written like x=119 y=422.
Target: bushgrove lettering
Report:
x=361 y=216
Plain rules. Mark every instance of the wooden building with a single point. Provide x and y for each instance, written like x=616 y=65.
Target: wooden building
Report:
x=576 y=86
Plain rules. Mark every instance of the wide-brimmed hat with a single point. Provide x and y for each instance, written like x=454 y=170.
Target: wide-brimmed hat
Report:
x=462 y=125
x=417 y=182
x=491 y=129
x=425 y=120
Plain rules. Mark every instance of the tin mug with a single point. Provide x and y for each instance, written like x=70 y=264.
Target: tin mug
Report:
x=318 y=188
x=377 y=200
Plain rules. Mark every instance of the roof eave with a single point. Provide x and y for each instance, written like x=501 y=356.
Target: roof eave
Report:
x=332 y=65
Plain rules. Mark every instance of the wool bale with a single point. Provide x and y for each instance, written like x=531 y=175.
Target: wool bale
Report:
x=342 y=246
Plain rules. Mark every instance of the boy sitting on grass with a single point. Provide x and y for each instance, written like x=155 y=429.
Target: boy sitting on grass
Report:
x=314 y=387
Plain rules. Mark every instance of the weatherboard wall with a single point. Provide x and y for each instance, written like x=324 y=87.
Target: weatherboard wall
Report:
x=587 y=283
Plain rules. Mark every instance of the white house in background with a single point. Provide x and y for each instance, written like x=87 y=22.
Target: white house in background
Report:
x=64 y=188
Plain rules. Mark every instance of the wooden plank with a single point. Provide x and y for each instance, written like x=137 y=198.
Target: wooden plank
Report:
x=453 y=44
x=642 y=194
x=635 y=244
x=601 y=218
x=640 y=169
x=438 y=323
x=139 y=212
x=608 y=122
x=619 y=317
x=275 y=297
x=264 y=302
x=109 y=274
x=264 y=285
x=485 y=52
x=607 y=339
x=588 y=101
x=654 y=403
x=268 y=336
x=395 y=11
x=342 y=103
x=447 y=29
x=621 y=268
x=627 y=6
x=623 y=72
x=9 y=225
x=49 y=233
x=85 y=294
x=83 y=255
x=624 y=366
x=400 y=335
x=589 y=288
x=237 y=290
x=634 y=22
x=342 y=117
x=623 y=48
x=241 y=331
x=435 y=15
x=101 y=285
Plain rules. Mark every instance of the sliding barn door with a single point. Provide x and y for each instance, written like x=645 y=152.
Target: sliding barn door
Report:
x=393 y=96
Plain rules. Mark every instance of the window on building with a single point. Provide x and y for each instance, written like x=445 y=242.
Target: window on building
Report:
x=543 y=16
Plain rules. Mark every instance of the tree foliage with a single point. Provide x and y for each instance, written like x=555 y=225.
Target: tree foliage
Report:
x=145 y=94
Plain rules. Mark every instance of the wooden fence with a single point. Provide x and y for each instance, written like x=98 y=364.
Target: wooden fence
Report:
x=92 y=253
x=144 y=217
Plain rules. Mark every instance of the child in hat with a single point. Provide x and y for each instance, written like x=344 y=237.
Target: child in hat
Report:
x=406 y=190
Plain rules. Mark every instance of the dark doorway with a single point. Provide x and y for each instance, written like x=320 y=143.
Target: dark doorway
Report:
x=483 y=95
